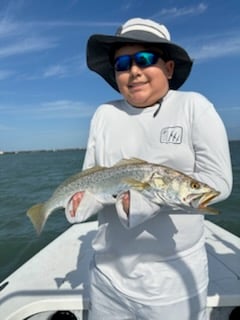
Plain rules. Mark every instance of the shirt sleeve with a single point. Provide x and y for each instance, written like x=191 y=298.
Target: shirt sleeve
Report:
x=140 y=210
x=88 y=207
x=90 y=158
x=211 y=149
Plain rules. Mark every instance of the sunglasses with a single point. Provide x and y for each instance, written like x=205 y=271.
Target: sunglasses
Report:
x=143 y=59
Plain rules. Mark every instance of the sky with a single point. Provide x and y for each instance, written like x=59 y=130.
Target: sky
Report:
x=47 y=93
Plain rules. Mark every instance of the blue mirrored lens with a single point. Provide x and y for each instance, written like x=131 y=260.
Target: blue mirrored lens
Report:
x=142 y=59
x=145 y=59
x=123 y=63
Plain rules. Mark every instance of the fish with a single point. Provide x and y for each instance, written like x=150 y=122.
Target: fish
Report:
x=163 y=185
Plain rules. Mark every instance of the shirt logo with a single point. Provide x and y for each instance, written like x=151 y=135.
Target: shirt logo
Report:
x=171 y=135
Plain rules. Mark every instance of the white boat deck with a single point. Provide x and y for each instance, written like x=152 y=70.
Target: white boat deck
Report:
x=56 y=278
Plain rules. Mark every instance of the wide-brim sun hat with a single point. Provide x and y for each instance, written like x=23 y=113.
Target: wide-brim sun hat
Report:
x=137 y=31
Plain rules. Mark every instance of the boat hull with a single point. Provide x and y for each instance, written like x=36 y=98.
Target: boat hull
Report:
x=56 y=279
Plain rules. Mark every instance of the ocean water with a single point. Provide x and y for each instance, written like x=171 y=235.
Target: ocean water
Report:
x=29 y=178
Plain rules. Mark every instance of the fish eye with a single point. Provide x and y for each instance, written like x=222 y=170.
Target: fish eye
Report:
x=195 y=185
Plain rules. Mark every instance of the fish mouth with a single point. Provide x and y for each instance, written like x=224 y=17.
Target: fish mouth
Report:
x=201 y=201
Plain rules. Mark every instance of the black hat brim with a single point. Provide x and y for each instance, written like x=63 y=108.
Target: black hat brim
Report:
x=99 y=48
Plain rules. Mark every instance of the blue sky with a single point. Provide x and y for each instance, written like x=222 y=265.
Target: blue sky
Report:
x=47 y=94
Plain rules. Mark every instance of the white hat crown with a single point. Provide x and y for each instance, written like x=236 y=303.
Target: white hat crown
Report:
x=138 y=24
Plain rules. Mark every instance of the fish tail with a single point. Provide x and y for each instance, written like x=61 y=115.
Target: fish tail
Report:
x=38 y=216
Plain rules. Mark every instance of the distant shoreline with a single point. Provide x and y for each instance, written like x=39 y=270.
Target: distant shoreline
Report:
x=43 y=150
x=2 y=152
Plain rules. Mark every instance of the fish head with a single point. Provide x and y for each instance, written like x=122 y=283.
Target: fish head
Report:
x=196 y=194
x=175 y=189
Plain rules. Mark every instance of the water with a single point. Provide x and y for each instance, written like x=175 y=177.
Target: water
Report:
x=29 y=178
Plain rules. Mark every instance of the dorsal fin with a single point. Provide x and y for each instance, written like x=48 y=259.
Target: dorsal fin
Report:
x=92 y=170
x=123 y=162
x=83 y=173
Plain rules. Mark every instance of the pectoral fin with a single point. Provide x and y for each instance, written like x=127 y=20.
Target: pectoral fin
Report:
x=136 y=184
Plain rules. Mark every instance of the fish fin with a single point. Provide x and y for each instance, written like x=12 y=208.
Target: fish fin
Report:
x=136 y=184
x=91 y=170
x=38 y=216
x=82 y=174
x=209 y=210
x=191 y=210
x=124 y=162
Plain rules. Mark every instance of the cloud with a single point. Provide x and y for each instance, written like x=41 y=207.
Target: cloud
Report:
x=67 y=67
x=26 y=45
x=49 y=110
x=55 y=71
x=71 y=24
x=5 y=74
x=230 y=114
x=20 y=38
x=64 y=109
x=211 y=46
x=175 y=12
x=127 y=5
x=9 y=29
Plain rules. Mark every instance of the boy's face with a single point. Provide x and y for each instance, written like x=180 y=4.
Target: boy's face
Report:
x=143 y=87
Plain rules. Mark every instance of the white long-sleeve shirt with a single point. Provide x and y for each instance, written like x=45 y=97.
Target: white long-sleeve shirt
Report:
x=158 y=256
